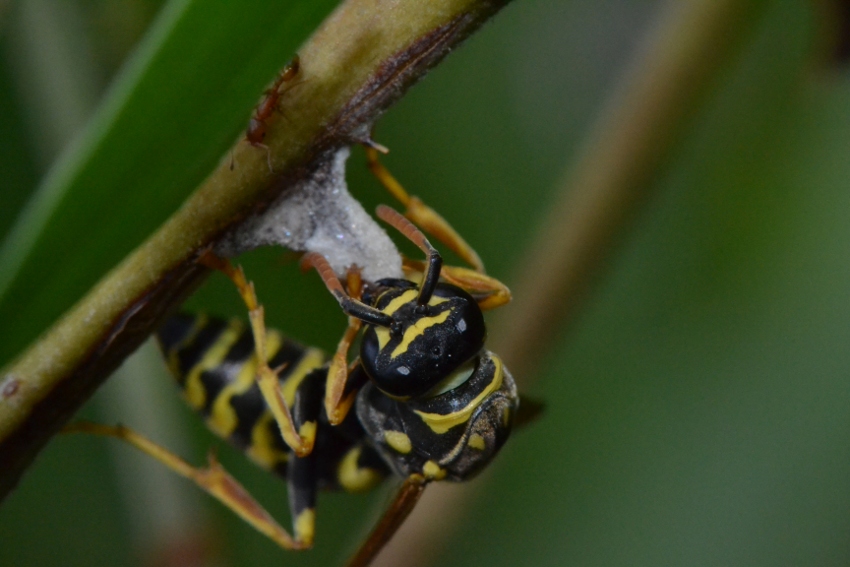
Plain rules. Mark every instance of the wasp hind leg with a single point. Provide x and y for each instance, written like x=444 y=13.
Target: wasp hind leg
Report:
x=212 y=479
x=487 y=291
x=300 y=439
x=426 y=218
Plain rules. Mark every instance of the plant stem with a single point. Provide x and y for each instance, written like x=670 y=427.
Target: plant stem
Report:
x=359 y=62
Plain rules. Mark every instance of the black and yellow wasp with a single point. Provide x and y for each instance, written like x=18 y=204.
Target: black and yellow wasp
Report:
x=425 y=400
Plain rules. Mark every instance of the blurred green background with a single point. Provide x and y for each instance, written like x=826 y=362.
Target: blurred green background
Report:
x=698 y=412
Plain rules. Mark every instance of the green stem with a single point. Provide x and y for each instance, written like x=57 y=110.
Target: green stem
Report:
x=359 y=62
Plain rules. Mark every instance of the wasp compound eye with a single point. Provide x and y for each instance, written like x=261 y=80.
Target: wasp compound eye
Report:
x=430 y=345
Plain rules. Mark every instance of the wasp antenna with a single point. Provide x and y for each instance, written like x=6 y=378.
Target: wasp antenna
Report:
x=435 y=261
x=350 y=306
x=320 y=263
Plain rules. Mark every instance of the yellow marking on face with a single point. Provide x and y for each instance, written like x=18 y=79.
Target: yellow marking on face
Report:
x=383 y=335
x=418 y=329
x=262 y=449
x=353 y=478
x=396 y=304
x=433 y=471
x=476 y=442
x=193 y=390
x=223 y=419
x=399 y=441
x=440 y=423
x=305 y=525
x=311 y=359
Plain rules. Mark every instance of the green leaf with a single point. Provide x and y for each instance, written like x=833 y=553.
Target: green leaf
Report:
x=175 y=107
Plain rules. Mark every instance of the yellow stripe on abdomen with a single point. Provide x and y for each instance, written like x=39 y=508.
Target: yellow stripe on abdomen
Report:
x=263 y=449
x=193 y=390
x=223 y=419
x=311 y=359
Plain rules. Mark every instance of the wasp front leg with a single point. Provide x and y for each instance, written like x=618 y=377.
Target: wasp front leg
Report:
x=339 y=395
x=302 y=438
x=424 y=216
x=337 y=403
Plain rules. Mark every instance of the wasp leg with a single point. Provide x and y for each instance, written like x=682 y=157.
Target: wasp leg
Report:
x=213 y=479
x=336 y=407
x=435 y=261
x=337 y=403
x=299 y=439
x=424 y=216
x=487 y=291
x=350 y=306
x=337 y=400
x=302 y=473
x=405 y=500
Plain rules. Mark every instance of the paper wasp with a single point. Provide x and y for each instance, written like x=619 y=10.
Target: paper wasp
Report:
x=424 y=400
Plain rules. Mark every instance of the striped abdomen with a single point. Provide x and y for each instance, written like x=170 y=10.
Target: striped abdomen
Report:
x=214 y=363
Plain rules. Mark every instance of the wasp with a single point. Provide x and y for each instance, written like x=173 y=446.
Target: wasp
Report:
x=424 y=400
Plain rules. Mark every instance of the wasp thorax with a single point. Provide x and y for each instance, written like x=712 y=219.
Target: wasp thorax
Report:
x=448 y=436
x=425 y=343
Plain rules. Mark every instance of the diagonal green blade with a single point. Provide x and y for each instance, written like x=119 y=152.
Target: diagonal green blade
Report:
x=171 y=113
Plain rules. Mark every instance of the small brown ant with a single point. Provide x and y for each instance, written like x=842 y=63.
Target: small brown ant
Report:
x=256 y=132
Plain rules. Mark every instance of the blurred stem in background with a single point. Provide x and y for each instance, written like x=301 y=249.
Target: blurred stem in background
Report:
x=54 y=70
x=601 y=193
x=610 y=180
